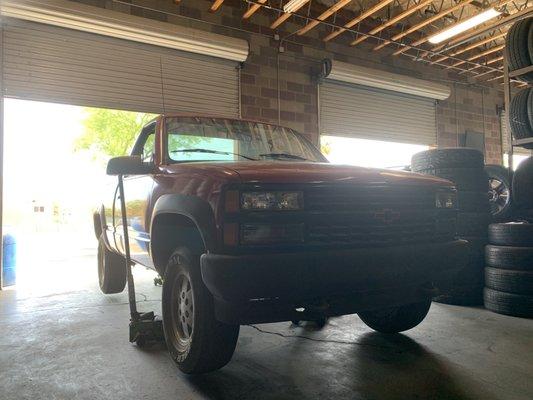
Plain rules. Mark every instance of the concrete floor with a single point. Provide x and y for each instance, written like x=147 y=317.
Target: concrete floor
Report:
x=74 y=345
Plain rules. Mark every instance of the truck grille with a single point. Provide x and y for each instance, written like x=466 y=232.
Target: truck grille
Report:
x=381 y=216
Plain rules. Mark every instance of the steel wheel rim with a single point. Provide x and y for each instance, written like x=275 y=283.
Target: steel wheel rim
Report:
x=499 y=195
x=183 y=310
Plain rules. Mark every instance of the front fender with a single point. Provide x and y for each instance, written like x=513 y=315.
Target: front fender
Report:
x=197 y=210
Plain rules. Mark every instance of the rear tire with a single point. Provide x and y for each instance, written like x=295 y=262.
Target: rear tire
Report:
x=111 y=270
x=396 y=319
x=196 y=341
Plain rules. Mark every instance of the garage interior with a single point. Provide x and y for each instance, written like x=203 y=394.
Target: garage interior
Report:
x=374 y=71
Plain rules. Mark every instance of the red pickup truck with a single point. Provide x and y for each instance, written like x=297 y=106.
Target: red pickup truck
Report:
x=248 y=223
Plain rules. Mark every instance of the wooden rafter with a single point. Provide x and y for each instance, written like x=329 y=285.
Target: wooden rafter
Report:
x=424 y=23
x=468 y=48
x=489 y=62
x=253 y=8
x=476 y=56
x=216 y=5
x=359 y=18
x=285 y=16
x=392 y=21
x=325 y=15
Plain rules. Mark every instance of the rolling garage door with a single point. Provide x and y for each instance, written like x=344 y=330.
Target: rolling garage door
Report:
x=364 y=112
x=49 y=63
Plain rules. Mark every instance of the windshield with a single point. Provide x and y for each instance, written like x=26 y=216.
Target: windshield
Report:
x=215 y=139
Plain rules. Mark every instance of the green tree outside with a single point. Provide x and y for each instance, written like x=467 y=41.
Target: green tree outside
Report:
x=110 y=133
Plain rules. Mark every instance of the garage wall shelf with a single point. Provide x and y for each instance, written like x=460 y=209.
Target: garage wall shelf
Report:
x=508 y=76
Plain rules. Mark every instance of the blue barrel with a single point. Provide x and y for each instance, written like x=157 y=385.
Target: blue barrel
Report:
x=9 y=258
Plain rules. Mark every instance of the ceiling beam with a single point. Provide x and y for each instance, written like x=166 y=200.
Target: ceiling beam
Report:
x=469 y=47
x=359 y=18
x=500 y=58
x=216 y=5
x=286 y=15
x=253 y=8
x=424 y=23
x=392 y=21
x=326 y=14
x=476 y=56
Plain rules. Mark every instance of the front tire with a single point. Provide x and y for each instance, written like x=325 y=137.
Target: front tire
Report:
x=396 y=319
x=111 y=270
x=196 y=341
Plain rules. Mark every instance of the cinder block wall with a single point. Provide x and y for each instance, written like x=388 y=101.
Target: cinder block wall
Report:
x=471 y=106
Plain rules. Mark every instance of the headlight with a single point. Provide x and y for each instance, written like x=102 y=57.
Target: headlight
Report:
x=271 y=201
x=446 y=200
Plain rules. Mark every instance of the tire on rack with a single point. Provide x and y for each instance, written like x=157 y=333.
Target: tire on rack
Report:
x=465 y=179
x=517 y=45
x=522 y=188
x=510 y=281
x=519 y=111
x=517 y=234
x=111 y=270
x=500 y=201
x=196 y=341
x=396 y=319
x=509 y=257
x=447 y=158
x=508 y=303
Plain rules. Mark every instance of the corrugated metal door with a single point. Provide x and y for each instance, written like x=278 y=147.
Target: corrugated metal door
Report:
x=368 y=113
x=48 y=63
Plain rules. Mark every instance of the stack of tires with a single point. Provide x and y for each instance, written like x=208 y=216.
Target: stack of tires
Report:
x=519 y=47
x=464 y=167
x=509 y=271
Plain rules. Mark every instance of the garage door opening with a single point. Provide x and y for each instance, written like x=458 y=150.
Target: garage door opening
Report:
x=368 y=153
x=54 y=177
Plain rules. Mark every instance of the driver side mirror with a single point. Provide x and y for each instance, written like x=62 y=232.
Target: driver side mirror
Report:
x=128 y=165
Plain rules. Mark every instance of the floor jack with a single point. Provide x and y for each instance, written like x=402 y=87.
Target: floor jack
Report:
x=145 y=328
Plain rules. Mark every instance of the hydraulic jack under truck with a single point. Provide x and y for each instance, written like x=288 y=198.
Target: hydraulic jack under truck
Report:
x=145 y=328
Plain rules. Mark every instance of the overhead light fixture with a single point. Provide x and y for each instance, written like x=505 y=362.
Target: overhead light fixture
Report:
x=464 y=26
x=294 y=5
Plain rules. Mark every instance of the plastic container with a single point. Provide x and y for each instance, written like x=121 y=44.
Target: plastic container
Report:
x=9 y=264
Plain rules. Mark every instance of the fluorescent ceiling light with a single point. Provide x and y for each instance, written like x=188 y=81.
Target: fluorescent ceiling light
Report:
x=464 y=26
x=294 y=5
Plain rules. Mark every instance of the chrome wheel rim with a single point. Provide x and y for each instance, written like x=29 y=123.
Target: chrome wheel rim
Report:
x=183 y=310
x=499 y=195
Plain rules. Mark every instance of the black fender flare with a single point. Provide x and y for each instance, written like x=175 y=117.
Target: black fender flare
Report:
x=197 y=210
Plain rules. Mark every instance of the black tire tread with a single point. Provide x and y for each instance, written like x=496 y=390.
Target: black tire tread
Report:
x=508 y=303
x=522 y=188
x=465 y=179
x=509 y=257
x=396 y=319
x=518 y=114
x=517 y=46
x=114 y=278
x=447 y=158
x=515 y=234
x=510 y=281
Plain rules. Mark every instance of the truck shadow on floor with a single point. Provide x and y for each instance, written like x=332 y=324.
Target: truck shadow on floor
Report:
x=375 y=366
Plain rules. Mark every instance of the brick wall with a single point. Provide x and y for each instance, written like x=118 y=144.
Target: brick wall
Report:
x=470 y=107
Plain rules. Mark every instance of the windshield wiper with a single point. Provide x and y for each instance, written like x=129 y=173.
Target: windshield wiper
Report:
x=225 y=153
x=283 y=155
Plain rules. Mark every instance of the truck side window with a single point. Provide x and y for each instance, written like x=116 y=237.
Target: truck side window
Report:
x=148 y=148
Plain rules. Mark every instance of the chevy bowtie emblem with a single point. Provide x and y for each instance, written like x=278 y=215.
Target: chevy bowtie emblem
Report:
x=387 y=216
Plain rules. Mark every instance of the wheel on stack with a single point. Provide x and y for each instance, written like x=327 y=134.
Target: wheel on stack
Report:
x=464 y=167
x=500 y=200
x=509 y=270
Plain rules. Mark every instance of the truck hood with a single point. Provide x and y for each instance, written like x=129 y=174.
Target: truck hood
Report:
x=308 y=172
